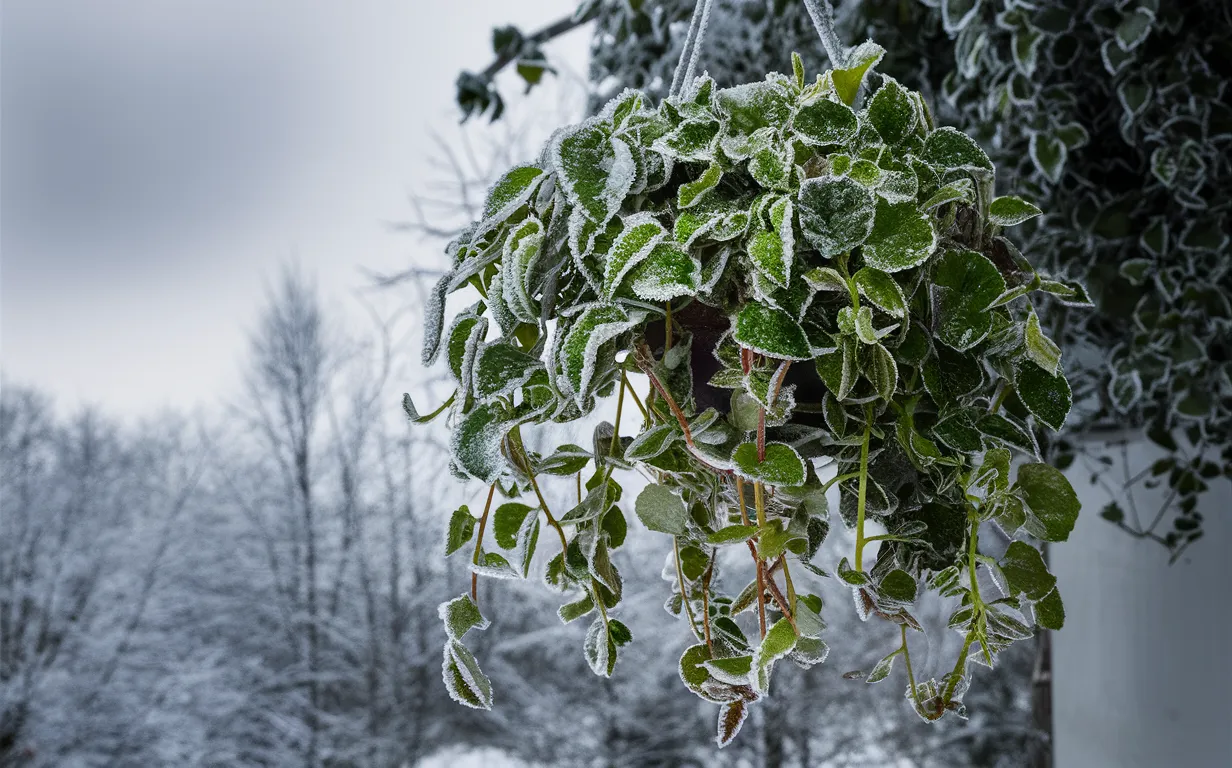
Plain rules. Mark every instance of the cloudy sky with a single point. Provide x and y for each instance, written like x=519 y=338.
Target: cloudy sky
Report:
x=160 y=161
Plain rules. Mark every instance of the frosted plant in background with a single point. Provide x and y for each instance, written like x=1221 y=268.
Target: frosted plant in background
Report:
x=801 y=285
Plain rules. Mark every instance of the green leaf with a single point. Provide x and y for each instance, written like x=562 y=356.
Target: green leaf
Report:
x=782 y=467
x=600 y=648
x=641 y=233
x=771 y=167
x=461 y=615
x=839 y=369
x=733 y=671
x=960 y=190
x=461 y=529
x=1051 y=502
x=881 y=670
x=899 y=586
x=957 y=431
x=412 y=413
x=771 y=332
x=476 y=441
x=1042 y=350
x=501 y=368
x=772 y=539
x=902 y=237
x=692 y=670
x=850 y=575
x=692 y=191
x=732 y=534
x=1006 y=432
x=823 y=121
x=506 y=522
x=595 y=170
x=668 y=272
x=1026 y=572
x=882 y=290
x=661 y=509
x=892 y=112
x=747 y=107
x=836 y=214
x=859 y=61
x=691 y=140
x=595 y=326
x=465 y=681
x=1045 y=395
x=880 y=369
x=768 y=254
x=519 y=266
x=964 y=284
x=825 y=279
x=570 y=612
x=508 y=194
x=952 y=149
x=1049 y=155
x=651 y=443
x=1050 y=612
x=1009 y=211
x=567 y=460
x=777 y=643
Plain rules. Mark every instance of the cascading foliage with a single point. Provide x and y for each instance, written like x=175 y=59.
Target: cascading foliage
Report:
x=811 y=296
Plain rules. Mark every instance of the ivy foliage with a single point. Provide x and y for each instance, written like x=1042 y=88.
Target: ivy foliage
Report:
x=1114 y=118
x=810 y=287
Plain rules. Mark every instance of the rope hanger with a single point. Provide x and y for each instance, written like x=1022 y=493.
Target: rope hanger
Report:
x=821 y=12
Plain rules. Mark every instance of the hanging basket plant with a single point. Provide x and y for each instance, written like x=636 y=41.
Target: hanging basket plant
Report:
x=808 y=296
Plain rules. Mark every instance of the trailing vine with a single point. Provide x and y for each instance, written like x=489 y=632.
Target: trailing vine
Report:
x=818 y=293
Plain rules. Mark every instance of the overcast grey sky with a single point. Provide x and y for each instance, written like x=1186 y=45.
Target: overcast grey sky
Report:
x=160 y=160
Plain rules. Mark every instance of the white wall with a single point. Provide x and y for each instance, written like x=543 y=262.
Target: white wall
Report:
x=1142 y=671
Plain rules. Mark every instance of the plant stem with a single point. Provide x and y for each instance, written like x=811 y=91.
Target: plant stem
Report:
x=839 y=479
x=684 y=596
x=761 y=584
x=706 y=604
x=620 y=406
x=667 y=329
x=519 y=451
x=863 y=492
x=761 y=435
x=915 y=697
x=977 y=605
x=791 y=588
x=624 y=380
x=483 y=523
x=594 y=588
x=1002 y=391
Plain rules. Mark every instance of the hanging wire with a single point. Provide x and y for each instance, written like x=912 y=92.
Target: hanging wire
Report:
x=822 y=14
x=691 y=51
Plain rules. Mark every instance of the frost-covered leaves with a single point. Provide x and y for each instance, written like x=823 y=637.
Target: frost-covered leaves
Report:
x=595 y=326
x=965 y=283
x=772 y=223
x=641 y=233
x=901 y=238
x=465 y=681
x=603 y=641
x=1051 y=504
x=771 y=332
x=594 y=168
x=893 y=112
x=836 y=214
x=1009 y=211
x=951 y=149
x=824 y=121
x=661 y=509
x=782 y=464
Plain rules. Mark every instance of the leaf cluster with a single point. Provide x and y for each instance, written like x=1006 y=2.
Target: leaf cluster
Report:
x=811 y=286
